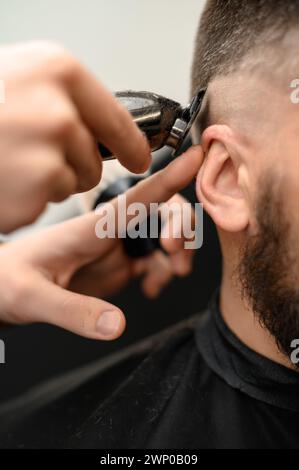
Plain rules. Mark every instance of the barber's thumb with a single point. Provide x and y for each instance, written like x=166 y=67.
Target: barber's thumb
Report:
x=85 y=316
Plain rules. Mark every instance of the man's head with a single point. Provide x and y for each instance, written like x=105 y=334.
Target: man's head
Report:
x=247 y=53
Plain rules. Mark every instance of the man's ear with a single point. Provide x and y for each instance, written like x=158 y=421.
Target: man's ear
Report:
x=220 y=183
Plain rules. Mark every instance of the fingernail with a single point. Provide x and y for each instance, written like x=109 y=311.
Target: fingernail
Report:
x=108 y=323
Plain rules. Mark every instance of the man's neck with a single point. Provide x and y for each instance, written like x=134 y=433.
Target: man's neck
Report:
x=244 y=324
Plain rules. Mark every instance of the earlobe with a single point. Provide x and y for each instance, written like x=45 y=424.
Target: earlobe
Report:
x=219 y=186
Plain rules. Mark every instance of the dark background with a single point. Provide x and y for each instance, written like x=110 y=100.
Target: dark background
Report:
x=37 y=352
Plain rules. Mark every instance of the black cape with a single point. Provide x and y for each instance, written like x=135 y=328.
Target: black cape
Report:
x=194 y=386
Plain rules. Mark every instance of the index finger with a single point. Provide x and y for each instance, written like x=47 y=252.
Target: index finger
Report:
x=158 y=188
x=161 y=186
x=109 y=121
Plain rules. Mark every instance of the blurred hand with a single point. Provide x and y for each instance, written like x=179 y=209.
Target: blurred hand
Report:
x=114 y=269
x=54 y=112
x=39 y=274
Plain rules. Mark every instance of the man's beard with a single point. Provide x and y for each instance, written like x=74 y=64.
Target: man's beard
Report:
x=268 y=272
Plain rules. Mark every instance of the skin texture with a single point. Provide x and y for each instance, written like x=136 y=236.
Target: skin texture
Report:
x=61 y=274
x=249 y=184
x=54 y=112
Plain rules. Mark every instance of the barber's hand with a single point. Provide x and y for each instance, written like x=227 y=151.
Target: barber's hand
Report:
x=114 y=269
x=38 y=273
x=54 y=112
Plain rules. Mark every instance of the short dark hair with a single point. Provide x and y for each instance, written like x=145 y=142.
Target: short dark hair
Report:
x=230 y=29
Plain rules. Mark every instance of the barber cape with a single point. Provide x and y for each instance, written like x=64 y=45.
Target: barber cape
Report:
x=193 y=386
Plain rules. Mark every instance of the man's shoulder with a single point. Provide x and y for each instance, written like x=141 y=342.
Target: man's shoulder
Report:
x=167 y=360
x=131 y=357
x=138 y=378
x=168 y=338
x=119 y=365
